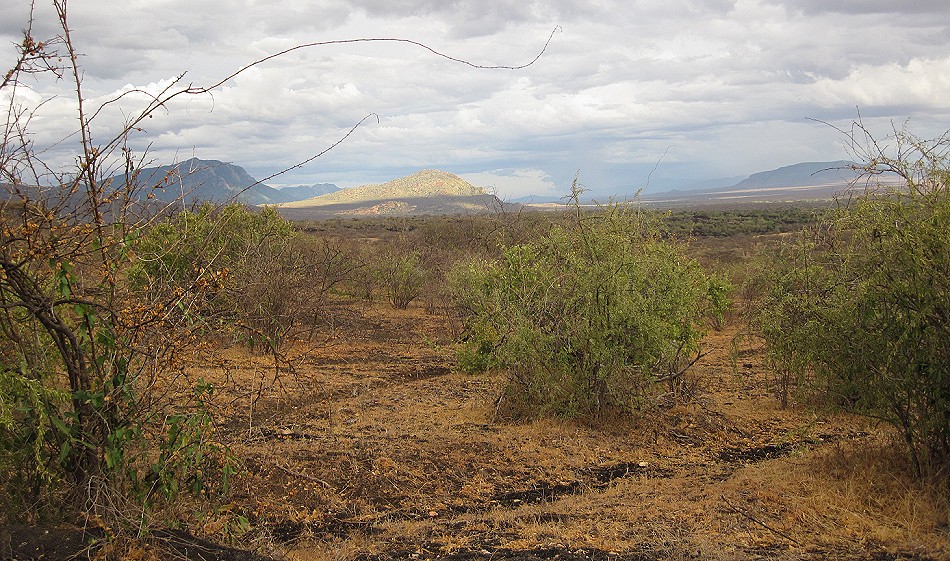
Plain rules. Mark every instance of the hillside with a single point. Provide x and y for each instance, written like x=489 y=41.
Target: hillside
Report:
x=301 y=192
x=422 y=184
x=216 y=181
x=803 y=174
x=806 y=181
x=427 y=192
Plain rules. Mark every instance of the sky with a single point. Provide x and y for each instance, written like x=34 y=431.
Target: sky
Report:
x=626 y=94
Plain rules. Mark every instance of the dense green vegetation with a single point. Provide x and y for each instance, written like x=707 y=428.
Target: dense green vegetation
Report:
x=586 y=317
x=712 y=222
x=730 y=222
x=858 y=311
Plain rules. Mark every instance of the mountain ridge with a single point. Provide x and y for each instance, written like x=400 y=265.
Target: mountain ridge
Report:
x=432 y=191
x=195 y=179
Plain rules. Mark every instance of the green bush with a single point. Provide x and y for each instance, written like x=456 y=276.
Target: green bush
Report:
x=590 y=316
x=403 y=277
x=87 y=372
x=859 y=318
x=244 y=260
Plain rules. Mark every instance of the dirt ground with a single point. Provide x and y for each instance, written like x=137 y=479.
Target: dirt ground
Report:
x=373 y=448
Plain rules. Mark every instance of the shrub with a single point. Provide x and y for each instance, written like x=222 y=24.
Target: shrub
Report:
x=592 y=315
x=95 y=417
x=88 y=368
x=859 y=316
x=244 y=259
x=403 y=277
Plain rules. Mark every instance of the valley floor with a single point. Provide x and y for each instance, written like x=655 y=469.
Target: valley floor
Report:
x=374 y=448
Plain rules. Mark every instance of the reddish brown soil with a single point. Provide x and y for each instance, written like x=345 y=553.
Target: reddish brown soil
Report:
x=376 y=448
x=372 y=447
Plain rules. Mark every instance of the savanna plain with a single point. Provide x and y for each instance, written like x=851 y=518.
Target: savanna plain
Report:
x=359 y=437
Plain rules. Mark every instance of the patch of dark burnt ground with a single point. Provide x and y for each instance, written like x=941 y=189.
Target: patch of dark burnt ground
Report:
x=778 y=450
x=597 y=477
x=542 y=492
x=757 y=454
x=603 y=475
x=505 y=554
x=48 y=543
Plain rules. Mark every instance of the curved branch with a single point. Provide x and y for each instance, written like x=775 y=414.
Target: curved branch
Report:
x=377 y=40
x=315 y=156
x=162 y=99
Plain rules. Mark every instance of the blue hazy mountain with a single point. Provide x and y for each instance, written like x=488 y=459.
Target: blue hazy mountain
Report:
x=215 y=181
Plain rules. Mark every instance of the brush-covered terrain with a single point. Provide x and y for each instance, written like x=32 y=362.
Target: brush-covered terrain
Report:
x=359 y=437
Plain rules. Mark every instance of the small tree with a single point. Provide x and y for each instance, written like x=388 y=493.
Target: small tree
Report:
x=94 y=414
x=860 y=315
x=591 y=316
x=403 y=277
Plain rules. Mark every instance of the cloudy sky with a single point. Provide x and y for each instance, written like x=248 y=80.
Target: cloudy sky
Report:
x=695 y=89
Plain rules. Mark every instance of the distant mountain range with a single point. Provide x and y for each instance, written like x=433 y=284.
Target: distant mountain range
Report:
x=439 y=192
x=807 y=173
x=807 y=181
x=212 y=180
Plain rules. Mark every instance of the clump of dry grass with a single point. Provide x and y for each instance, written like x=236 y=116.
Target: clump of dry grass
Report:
x=872 y=485
x=861 y=492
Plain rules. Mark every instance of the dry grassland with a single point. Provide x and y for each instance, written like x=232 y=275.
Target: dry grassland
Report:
x=374 y=448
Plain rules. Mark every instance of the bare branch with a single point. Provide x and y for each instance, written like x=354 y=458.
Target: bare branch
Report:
x=377 y=40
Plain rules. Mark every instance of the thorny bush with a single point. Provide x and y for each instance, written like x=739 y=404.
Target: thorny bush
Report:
x=859 y=317
x=594 y=315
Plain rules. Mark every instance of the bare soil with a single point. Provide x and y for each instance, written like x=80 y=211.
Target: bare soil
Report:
x=374 y=448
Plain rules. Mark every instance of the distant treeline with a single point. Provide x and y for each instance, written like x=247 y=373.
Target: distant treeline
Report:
x=702 y=223
x=731 y=222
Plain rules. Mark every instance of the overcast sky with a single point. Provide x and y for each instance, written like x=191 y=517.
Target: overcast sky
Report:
x=697 y=89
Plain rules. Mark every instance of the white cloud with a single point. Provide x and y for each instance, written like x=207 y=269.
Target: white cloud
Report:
x=513 y=183
x=720 y=88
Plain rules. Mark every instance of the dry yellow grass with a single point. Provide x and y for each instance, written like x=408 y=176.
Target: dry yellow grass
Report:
x=375 y=448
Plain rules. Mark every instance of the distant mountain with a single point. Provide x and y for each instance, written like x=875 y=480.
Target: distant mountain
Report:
x=803 y=174
x=200 y=180
x=429 y=192
x=216 y=181
x=540 y=199
x=807 y=181
x=426 y=183
x=301 y=192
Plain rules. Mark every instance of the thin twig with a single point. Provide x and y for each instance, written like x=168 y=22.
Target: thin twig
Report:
x=296 y=473
x=743 y=512
x=198 y=90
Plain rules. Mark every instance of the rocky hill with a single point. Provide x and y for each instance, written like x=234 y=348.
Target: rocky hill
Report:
x=428 y=192
x=423 y=184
